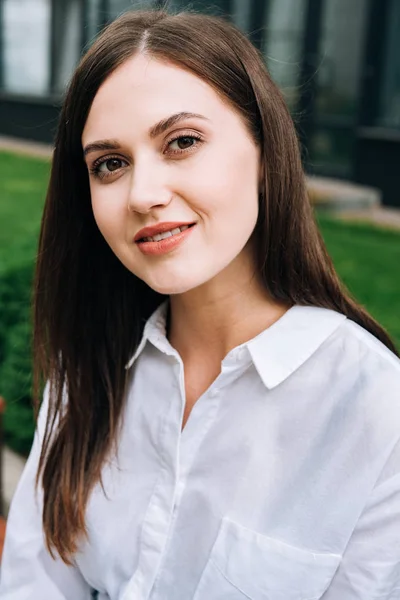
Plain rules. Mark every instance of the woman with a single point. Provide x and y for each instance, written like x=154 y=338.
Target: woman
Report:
x=222 y=419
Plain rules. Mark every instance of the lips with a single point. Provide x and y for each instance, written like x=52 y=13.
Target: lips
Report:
x=163 y=242
x=160 y=228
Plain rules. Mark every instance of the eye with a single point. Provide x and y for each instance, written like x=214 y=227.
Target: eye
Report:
x=183 y=143
x=112 y=164
x=107 y=166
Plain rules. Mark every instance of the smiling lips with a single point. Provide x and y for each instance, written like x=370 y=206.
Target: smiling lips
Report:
x=162 y=238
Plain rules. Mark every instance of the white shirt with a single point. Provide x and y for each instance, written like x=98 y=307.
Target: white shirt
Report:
x=283 y=485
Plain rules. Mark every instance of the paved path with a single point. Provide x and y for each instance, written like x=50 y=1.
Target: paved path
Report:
x=382 y=216
x=25 y=147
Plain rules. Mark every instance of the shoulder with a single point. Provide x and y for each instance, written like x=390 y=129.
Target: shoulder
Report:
x=367 y=373
x=372 y=347
x=365 y=353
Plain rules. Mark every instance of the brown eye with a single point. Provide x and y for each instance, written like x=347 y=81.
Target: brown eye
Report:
x=184 y=142
x=106 y=167
x=113 y=164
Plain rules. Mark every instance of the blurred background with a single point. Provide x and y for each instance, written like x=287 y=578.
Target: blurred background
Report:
x=338 y=65
x=337 y=61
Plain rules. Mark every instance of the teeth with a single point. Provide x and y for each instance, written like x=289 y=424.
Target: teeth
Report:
x=166 y=234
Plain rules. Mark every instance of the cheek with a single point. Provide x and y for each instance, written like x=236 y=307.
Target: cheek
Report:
x=108 y=214
x=224 y=181
x=244 y=185
x=232 y=190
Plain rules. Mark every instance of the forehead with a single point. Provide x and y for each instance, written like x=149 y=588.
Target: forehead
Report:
x=145 y=89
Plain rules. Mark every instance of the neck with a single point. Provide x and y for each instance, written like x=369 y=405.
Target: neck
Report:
x=210 y=321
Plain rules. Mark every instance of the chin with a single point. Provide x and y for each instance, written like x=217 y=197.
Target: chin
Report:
x=171 y=286
x=170 y=289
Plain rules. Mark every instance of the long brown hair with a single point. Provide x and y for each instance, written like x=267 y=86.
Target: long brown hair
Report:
x=90 y=310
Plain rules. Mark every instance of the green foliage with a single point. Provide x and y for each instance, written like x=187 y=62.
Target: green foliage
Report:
x=15 y=355
x=16 y=382
x=15 y=286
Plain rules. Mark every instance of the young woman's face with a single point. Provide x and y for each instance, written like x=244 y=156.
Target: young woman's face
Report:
x=165 y=152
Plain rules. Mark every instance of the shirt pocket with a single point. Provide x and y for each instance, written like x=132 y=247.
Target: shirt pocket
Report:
x=245 y=564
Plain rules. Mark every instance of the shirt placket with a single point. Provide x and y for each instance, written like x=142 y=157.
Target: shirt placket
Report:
x=198 y=425
x=189 y=443
x=157 y=522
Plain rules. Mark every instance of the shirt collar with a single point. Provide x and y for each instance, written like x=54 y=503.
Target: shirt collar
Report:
x=286 y=345
x=277 y=351
x=154 y=331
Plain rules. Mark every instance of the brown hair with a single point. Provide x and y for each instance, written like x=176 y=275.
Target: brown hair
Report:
x=90 y=310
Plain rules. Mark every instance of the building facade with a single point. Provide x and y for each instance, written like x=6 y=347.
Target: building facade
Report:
x=337 y=62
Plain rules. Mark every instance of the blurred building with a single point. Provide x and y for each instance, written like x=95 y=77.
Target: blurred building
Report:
x=337 y=61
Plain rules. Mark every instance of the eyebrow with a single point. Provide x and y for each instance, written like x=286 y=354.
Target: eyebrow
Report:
x=165 y=124
x=102 y=145
x=154 y=132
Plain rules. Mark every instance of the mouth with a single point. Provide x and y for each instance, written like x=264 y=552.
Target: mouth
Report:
x=162 y=232
x=163 y=242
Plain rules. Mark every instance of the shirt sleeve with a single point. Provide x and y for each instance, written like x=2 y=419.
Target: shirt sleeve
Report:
x=370 y=568
x=27 y=570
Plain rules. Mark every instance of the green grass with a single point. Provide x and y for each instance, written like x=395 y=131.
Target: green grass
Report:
x=23 y=183
x=366 y=257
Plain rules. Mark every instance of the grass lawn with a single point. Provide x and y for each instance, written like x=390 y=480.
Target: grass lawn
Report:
x=23 y=183
x=366 y=257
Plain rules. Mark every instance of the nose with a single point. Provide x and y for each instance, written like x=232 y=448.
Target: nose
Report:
x=148 y=188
